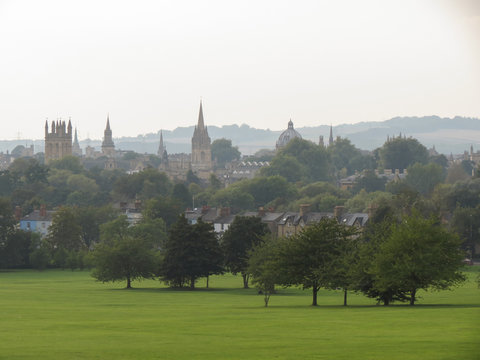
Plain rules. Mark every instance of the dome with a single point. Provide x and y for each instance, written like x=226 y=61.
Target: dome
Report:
x=287 y=135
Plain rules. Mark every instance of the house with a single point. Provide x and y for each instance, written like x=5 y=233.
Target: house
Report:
x=38 y=221
x=221 y=218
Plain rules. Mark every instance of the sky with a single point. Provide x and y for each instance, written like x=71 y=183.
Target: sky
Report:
x=148 y=63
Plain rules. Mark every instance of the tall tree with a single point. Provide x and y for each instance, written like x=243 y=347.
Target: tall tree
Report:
x=223 y=152
x=238 y=240
x=127 y=259
x=419 y=254
x=64 y=235
x=191 y=252
x=309 y=258
x=400 y=153
x=262 y=265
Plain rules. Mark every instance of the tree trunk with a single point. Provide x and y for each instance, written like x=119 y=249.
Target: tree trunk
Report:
x=207 y=280
x=315 y=292
x=192 y=283
x=129 y=285
x=412 y=297
x=386 y=302
x=245 y=280
x=266 y=297
x=345 y=297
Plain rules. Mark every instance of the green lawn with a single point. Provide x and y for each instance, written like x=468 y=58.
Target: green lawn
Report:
x=67 y=315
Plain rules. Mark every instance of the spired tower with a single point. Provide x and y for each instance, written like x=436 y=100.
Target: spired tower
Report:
x=76 y=150
x=108 y=147
x=330 y=138
x=201 y=147
x=58 y=142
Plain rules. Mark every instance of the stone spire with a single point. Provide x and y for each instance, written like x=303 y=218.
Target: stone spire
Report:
x=330 y=139
x=200 y=124
x=76 y=150
x=201 y=147
x=108 y=147
x=161 y=148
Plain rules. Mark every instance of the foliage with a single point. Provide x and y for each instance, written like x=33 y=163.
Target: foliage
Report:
x=400 y=153
x=418 y=254
x=70 y=163
x=262 y=265
x=344 y=155
x=145 y=185
x=65 y=232
x=308 y=258
x=223 y=152
x=423 y=178
x=165 y=208
x=466 y=223
x=191 y=252
x=300 y=160
x=125 y=258
x=238 y=240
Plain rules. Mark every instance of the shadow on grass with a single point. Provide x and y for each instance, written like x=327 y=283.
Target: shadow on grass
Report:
x=396 y=306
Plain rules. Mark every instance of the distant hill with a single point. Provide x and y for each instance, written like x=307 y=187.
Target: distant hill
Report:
x=448 y=135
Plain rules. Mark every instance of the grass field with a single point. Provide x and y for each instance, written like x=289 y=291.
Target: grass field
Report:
x=67 y=315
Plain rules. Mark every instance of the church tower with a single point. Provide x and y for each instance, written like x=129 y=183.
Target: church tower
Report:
x=58 y=142
x=201 y=146
x=76 y=150
x=108 y=147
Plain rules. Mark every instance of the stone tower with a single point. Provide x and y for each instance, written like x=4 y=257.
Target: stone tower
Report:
x=108 y=147
x=58 y=142
x=76 y=150
x=201 y=146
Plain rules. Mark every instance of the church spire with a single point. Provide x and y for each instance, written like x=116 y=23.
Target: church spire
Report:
x=108 y=122
x=330 y=139
x=200 y=124
x=161 y=147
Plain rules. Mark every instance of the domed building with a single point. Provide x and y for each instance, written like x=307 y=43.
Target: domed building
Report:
x=287 y=135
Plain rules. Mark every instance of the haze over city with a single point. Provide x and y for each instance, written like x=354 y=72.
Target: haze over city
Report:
x=148 y=63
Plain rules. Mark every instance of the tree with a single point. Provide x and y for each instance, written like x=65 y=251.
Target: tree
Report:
x=127 y=258
x=65 y=232
x=262 y=265
x=238 y=240
x=70 y=163
x=309 y=258
x=424 y=178
x=300 y=160
x=466 y=223
x=223 y=152
x=418 y=254
x=400 y=153
x=191 y=252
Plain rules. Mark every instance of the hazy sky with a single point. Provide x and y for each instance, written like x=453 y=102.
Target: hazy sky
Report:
x=148 y=63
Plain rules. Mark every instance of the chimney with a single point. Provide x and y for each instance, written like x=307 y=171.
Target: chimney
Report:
x=18 y=213
x=138 y=204
x=304 y=208
x=338 y=211
x=43 y=210
x=371 y=210
x=224 y=211
x=205 y=209
x=261 y=211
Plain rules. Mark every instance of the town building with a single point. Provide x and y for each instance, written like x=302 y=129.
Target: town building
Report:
x=286 y=136
x=37 y=221
x=58 y=141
